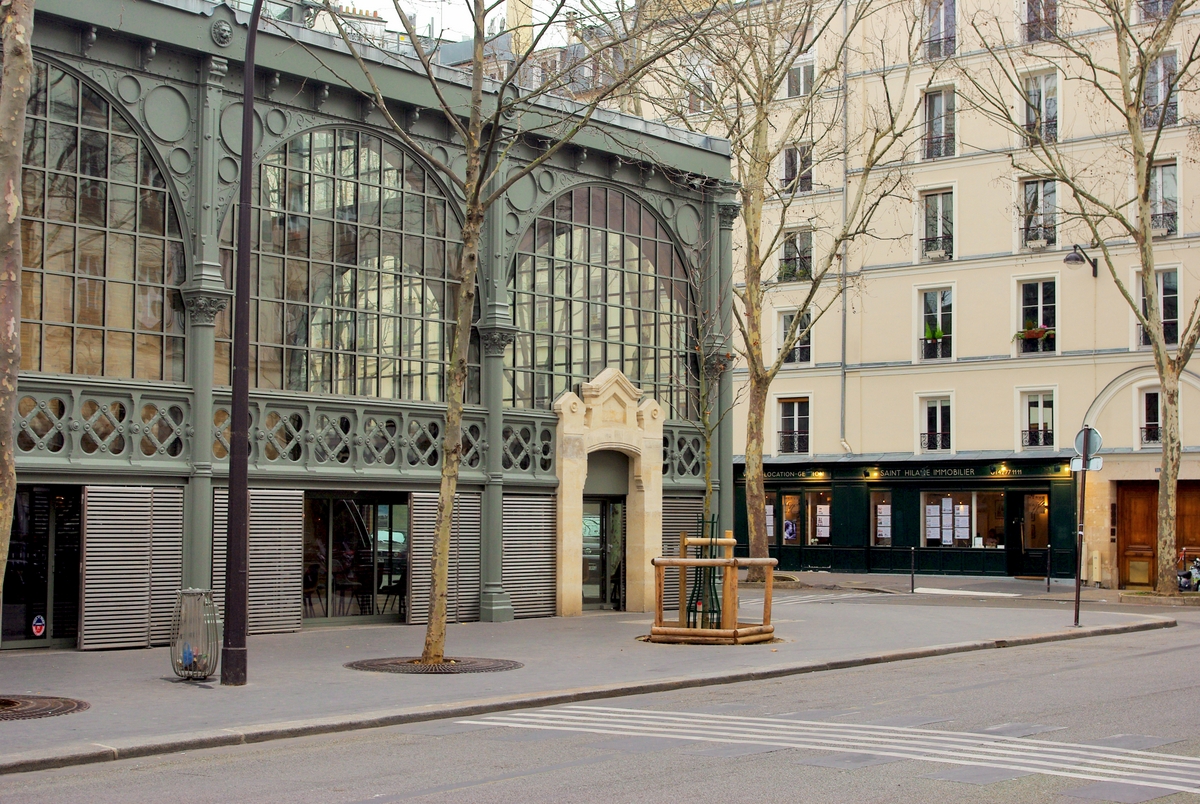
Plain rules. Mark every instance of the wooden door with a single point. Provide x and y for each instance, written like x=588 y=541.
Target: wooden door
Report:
x=1187 y=517
x=1137 y=530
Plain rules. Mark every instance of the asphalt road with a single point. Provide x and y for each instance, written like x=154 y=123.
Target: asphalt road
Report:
x=1062 y=722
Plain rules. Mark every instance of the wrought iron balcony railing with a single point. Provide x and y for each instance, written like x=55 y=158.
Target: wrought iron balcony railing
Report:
x=1040 y=235
x=1037 y=438
x=1170 y=333
x=1164 y=222
x=1043 y=30
x=792 y=269
x=935 y=348
x=1151 y=434
x=935 y=441
x=793 y=443
x=939 y=48
x=1166 y=114
x=939 y=146
x=937 y=248
x=1155 y=9
x=1046 y=131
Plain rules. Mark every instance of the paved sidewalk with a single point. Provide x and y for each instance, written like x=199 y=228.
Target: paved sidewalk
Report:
x=299 y=685
x=1029 y=589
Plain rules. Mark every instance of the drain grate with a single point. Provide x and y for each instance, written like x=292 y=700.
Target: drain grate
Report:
x=27 y=707
x=458 y=664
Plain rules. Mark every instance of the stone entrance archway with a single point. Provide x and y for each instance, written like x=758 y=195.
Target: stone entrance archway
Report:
x=611 y=416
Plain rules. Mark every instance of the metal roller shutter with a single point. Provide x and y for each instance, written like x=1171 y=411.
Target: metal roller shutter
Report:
x=680 y=514
x=166 y=562
x=117 y=548
x=530 y=558
x=463 y=582
x=276 y=553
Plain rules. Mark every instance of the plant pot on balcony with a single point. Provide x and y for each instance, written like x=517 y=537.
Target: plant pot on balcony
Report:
x=1033 y=334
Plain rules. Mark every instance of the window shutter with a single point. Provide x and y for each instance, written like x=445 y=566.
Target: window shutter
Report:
x=166 y=560
x=530 y=556
x=463 y=578
x=117 y=549
x=679 y=515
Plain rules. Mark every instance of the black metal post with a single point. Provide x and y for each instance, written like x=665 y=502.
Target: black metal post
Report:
x=912 y=570
x=1049 y=564
x=233 y=658
x=1087 y=448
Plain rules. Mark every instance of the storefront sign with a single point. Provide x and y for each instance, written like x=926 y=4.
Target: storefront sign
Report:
x=930 y=471
x=795 y=474
x=39 y=625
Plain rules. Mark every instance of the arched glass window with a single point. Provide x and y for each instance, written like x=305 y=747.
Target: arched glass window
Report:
x=597 y=282
x=103 y=254
x=354 y=246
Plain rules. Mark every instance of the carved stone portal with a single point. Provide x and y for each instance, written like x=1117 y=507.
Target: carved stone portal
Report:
x=611 y=416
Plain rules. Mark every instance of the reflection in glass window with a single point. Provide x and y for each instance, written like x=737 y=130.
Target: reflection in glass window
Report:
x=597 y=282
x=963 y=519
x=355 y=248
x=881 y=518
x=103 y=253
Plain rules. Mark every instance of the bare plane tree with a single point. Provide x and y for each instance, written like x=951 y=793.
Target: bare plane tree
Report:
x=1125 y=65
x=751 y=77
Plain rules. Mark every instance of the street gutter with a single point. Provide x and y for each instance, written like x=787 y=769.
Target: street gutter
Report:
x=88 y=753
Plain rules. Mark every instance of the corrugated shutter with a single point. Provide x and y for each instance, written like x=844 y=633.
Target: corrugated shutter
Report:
x=530 y=558
x=680 y=514
x=166 y=562
x=462 y=588
x=117 y=547
x=276 y=571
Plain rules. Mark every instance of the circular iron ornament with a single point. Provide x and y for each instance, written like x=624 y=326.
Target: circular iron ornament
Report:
x=27 y=707
x=451 y=665
x=222 y=33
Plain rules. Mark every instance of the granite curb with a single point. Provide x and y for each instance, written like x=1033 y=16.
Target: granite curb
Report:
x=88 y=753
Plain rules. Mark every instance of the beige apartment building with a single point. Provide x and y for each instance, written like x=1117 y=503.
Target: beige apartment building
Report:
x=929 y=418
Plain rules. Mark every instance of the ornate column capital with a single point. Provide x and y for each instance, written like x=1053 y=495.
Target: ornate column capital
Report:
x=495 y=338
x=203 y=306
x=728 y=211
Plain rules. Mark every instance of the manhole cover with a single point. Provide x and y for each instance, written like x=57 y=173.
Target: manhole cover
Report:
x=458 y=664
x=26 y=707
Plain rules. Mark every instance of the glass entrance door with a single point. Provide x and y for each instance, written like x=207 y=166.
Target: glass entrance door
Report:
x=355 y=558
x=41 y=580
x=1028 y=532
x=604 y=554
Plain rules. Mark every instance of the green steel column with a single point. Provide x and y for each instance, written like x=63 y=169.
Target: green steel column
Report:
x=495 y=334
x=727 y=211
x=205 y=296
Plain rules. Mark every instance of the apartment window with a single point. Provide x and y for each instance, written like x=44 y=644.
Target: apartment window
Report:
x=1041 y=108
x=1161 y=104
x=939 y=29
x=937 y=320
x=1039 y=420
x=1167 y=283
x=1164 y=200
x=797 y=169
x=939 y=124
x=793 y=426
x=800 y=80
x=936 y=437
x=801 y=352
x=796 y=261
x=1041 y=20
x=1155 y=9
x=1151 y=430
x=700 y=97
x=1037 y=225
x=938 y=242
x=1038 y=316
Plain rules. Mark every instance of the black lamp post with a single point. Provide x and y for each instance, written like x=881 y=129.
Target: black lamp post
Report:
x=233 y=659
x=1077 y=256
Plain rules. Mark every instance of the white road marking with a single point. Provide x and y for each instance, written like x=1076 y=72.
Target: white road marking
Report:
x=795 y=600
x=926 y=590
x=1071 y=760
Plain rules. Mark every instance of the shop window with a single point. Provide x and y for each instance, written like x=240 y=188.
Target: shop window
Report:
x=936 y=437
x=801 y=352
x=937 y=324
x=1151 y=418
x=881 y=518
x=793 y=518
x=938 y=240
x=819 y=518
x=793 y=426
x=1039 y=420
x=1167 y=283
x=597 y=282
x=1039 y=317
x=102 y=246
x=963 y=519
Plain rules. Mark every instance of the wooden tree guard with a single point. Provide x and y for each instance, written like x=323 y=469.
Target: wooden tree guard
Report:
x=731 y=631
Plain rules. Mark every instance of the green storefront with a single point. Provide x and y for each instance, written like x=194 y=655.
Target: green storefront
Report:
x=948 y=517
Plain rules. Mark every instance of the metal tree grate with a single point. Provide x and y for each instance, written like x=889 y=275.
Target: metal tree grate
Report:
x=27 y=707
x=451 y=665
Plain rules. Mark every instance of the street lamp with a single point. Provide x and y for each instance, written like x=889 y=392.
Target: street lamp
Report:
x=233 y=659
x=1077 y=256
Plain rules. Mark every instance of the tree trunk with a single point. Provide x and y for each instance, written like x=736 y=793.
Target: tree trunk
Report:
x=16 y=30
x=456 y=381
x=1168 y=482
x=756 y=498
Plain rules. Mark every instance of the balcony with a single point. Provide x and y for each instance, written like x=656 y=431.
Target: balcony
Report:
x=793 y=443
x=1037 y=438
x=940 y=48
x=1165 y=113
x=1039 y=236
x=1151 y=435
x=940 y=146
x=937 y=248
x=933 y=442
x=1164 y=224
x=795 y=269
x=935 y=348
x=1045 y=131
x=800 y=354
x=1043 y=30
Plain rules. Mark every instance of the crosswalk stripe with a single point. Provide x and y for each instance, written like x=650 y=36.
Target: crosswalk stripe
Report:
x=1072 y=760
x=794 y=600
